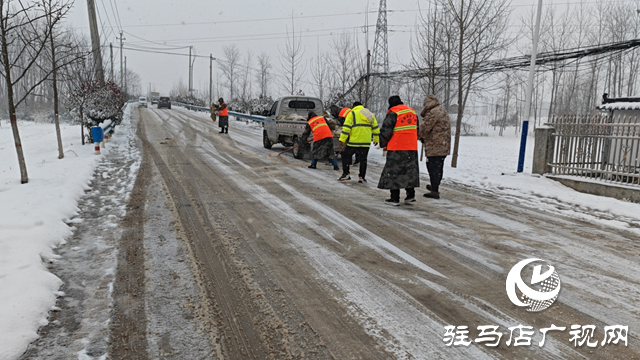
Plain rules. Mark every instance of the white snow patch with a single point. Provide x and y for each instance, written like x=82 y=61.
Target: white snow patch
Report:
x=32 y=223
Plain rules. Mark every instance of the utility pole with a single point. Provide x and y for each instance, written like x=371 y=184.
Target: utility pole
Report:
x=210 y=79
x=190 y=70
x=121 y=70
x=527 y=107
x=111 y=57
x=125 y=77
x=95 y=41
x=366 y=94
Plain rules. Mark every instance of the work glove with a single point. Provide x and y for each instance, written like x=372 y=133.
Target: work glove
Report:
x=341 y=144
x=375 y=144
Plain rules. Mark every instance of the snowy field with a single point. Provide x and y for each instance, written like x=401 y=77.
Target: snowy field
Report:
x=33 y=222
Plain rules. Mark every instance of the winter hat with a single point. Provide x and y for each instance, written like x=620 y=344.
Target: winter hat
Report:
x=311 y=114
x=221 y=100
x=357 y=103
x=395 y=101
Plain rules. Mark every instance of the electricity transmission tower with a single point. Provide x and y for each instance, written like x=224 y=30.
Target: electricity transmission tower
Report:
x=380 y=61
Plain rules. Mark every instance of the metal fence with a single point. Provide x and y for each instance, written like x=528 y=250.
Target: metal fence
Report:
x=601 y=147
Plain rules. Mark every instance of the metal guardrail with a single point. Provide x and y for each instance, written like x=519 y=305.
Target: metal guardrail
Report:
x=191 y=107
x=256 y=118
x=597 y=147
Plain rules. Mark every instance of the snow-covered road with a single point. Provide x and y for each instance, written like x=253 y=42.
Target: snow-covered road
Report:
x=228 y=253
x=293 y=257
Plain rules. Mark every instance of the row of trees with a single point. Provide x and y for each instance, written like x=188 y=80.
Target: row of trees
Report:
x=249 y=81
x=452 y=35
x=46 y=65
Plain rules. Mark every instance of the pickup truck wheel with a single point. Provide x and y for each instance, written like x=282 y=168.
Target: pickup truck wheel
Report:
x=265 y=140
x=297 y=152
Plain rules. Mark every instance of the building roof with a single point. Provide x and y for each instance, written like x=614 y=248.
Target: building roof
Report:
x=619 y=106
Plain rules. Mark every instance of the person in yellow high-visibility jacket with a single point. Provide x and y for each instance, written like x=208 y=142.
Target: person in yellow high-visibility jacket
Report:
x=359 y=128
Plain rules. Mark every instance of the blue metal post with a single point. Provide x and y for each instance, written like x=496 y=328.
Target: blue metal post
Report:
x=527 y=107
x=523 y=145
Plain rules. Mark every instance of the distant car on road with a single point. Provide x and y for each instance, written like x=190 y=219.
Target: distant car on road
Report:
x=154 y=100
x=142 y=101
x=164 y=102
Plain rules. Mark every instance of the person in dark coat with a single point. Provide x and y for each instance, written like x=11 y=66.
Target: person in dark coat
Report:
x=399 y=136
x=435 y=133
x=322 y=140
x=223 y=116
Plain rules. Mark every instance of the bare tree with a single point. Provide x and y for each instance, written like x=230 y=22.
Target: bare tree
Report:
x=320 y=74
x=64 y=56
x=230 y=67
x=244 y=77
x=292 y=68
x=343 y=61
x=481 y=25
x=24 y=34
x=264 y=74
x=78 y=75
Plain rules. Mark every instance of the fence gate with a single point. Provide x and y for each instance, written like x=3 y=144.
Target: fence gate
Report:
x=600 y=147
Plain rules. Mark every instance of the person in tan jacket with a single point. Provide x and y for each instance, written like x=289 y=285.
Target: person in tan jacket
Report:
x=435 y=134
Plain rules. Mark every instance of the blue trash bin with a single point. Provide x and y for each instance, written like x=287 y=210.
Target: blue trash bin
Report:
x=97 y=133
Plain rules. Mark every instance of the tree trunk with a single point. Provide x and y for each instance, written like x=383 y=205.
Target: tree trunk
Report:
x=24 y=177
x=55 y=97
x=82 y=125
x=456 y=143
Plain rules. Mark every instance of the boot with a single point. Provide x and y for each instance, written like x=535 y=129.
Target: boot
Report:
x=429 y=187
x=336 y=167
x=432 y=195
x=392 y=202
x=344 y=177
x=221 y=131
x=311 y=166
x=226 y=130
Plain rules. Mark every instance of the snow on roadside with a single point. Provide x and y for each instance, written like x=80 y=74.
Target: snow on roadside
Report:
x=488 y=164
x=33 y=220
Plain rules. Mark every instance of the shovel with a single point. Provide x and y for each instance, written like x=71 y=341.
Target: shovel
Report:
x=280 y=153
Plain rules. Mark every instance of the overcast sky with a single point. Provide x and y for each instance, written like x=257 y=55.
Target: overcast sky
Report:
x=256 y=25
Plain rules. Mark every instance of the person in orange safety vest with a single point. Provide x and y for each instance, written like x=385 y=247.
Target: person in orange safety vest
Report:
x=322 y=140
x=223 y=116
x=399 y=136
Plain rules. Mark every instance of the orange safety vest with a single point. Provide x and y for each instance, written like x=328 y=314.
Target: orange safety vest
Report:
x=405 y=133
x=319 y=128
x=344 y=112
x=223 y=112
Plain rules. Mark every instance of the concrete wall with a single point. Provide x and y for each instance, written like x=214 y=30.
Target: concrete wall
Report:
x=543 y=150
x=610 y=190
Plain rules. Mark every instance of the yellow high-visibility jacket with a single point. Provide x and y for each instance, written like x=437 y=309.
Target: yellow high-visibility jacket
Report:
x=360 y=131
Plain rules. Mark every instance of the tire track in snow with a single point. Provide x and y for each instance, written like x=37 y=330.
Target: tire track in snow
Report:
x=385 y=315
x=360 y=233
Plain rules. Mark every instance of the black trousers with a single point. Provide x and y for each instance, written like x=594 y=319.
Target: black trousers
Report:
x=395 y=193
x=361 y=154
x=435 y=166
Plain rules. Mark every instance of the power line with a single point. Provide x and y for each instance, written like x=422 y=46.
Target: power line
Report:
x=154 y=42
x=252 y=36
x=116 y=16
x=558 y=59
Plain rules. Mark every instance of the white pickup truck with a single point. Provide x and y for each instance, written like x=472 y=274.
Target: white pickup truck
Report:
x=286 y=121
